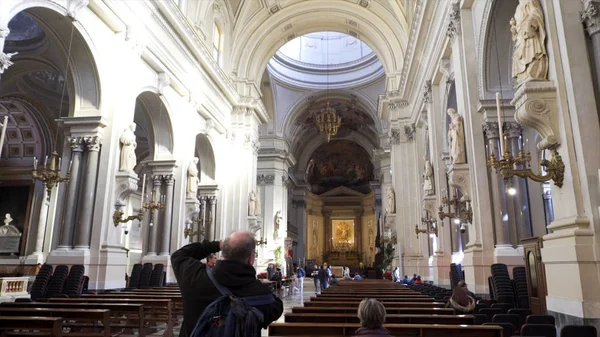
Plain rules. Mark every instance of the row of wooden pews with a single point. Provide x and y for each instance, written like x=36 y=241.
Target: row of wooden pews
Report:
x=409 y=313
x=138 y=312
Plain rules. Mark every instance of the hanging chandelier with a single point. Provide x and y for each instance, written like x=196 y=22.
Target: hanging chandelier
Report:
x=328 y=121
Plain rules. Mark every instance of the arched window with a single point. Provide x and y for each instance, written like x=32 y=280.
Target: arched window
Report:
x=216 y=41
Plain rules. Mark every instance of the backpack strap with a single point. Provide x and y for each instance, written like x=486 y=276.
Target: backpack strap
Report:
x=222 y=289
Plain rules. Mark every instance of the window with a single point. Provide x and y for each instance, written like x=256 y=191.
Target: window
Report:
x=216 y=41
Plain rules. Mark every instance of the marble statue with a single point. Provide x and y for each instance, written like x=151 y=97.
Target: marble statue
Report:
x=192 y=179
x=5 y=61
x=277 y=222
x=128 y=158
x=252 y=203
x=530 y=59
x=456 y=138
x=8 y=229
x=391 y=201
x=428 y=177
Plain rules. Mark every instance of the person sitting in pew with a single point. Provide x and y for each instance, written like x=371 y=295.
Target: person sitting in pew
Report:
x=371 y=314
x=418 y=280
x=235 y=271
x=334 y=281
x=405 y=280
x=461 y=299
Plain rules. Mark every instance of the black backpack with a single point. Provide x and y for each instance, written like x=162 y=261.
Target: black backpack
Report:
x=231 y=316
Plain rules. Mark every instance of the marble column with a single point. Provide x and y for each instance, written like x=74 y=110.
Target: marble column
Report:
x=154 y=222
x=41 y=230
x=87 y=197
x=518 y=204
x=66 y=237
x=168 y=183
x=358 y=214
x=590 y=18
x=502 y=232
x=327 y=226
x=212 y=216
x=202 y=215
x=302 y=225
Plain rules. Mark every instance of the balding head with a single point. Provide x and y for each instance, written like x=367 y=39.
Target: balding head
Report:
x=239 y=246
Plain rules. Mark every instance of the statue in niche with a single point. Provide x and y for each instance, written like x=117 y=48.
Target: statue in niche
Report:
x=277 y=222
x=391 y=202
x=530 y=60
x=428 y=177
x=8 y=229
x=456 y=138
x=252 y=198
x=192 y=180
x=128 y=145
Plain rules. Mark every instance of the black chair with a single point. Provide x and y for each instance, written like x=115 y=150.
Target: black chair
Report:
x=57 y=281
x=157 y=274
x=578 y=331
x=540 y=319
x=503 y=306
x=74 y=284
x=507 y=328
x=509 y=318
x=146 y=275
x=480 y=319
x=544 y=330
x=490 y=312
x=39 y=287
x=523 y=313
x=136 y=273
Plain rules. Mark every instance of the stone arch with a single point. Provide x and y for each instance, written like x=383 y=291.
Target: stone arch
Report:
x=256 y=44
x=206 y=163
x=154 y=132
x=495 y=49
x=83 y=81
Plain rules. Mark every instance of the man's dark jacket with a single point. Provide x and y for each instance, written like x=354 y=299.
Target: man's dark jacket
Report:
x=197 y=290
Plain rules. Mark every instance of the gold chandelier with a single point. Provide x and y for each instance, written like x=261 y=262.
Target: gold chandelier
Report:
x=328 y=121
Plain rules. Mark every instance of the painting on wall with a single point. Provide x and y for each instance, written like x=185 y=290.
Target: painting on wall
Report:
x=339 y=163
x=343 y=235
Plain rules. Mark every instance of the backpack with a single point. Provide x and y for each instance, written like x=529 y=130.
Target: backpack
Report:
x=301 y=272
x=231 y=316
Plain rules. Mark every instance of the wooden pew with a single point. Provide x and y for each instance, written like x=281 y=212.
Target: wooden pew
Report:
x=177 y=301
x=358 y=299
x=404 y=330
x=72 y=318
x=354 y=304
x=389 y=319
x=390 y=311
x=47 y=326
x=122 y=315
x=155 y=310
x=386 y=295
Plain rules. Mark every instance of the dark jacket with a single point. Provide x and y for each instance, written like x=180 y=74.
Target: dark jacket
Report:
x=368 y=332
x=197 y=291
x=323 y=276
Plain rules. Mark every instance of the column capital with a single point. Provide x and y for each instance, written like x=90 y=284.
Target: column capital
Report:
x=453 y=21
x=157 y=180
x=403 y=134
x=590 y=17
x=76 y=144
x=490 y=130
x=168 y=179
x=427 y=92
x=265 y=179
x=92 y=143
x=512 y=129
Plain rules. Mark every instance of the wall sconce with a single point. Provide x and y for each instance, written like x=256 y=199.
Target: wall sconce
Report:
x=507 y=167
x=118 y=218
x=430 y=227
x=462 y=210
x=261 y=242
x=188 y=231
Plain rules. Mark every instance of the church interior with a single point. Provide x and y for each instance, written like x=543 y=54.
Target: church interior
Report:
x=448 y=136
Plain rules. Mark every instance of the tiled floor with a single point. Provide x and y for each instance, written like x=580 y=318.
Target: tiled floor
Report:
x=294 y=300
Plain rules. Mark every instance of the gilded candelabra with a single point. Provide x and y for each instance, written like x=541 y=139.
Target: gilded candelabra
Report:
x=328 y=121
x=118 y=217
x=261 y=242
x=430 y=227
x=151 y=206
x=188 y=231
x=508 y=165
x=50 y=174
x=462 y=210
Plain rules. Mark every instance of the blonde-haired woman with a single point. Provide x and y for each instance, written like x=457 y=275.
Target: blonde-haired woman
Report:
x=371 y=313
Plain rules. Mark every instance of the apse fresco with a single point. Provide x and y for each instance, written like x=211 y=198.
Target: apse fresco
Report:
x=339 y=163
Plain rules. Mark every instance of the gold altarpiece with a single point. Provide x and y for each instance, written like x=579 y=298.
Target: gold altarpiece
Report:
x=341 y=227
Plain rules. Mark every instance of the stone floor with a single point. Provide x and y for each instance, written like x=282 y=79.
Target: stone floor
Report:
x=297 y=298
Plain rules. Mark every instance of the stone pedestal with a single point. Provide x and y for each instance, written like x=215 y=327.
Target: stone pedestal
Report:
x=458 y=177
x=510 y=256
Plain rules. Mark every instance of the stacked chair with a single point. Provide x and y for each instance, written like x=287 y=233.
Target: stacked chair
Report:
x=57 y=282
x=134 y=279
x=502 y=285
x=74 y=283
x=39 y=287
x=520 y=283
x=145 y=276
x=156 y=278
x=456 y=274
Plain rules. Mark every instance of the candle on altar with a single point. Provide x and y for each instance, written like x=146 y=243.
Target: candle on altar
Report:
x=500 y=128
x=143 y=189
x=35 y=163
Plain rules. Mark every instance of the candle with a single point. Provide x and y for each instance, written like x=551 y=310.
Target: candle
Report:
x=59 y=163
x=46 y=162
x=500 y=124
x=34 y=163
x=143 y=188
x=70 y=166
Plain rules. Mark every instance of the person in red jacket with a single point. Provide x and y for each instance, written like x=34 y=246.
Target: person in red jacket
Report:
x=235 y=271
